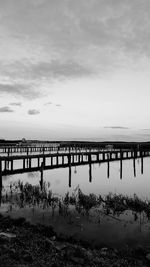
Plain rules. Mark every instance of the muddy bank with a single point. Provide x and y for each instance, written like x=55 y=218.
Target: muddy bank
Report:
x=23 y=244
x=118 y=220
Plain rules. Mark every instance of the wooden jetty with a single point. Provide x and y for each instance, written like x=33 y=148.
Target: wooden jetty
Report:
x=10 y=148
x=43 y=149
x=45 y=161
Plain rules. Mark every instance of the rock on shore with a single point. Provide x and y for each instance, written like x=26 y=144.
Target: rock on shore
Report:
x=26 y=245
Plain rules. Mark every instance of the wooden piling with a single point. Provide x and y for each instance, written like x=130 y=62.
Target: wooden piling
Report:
x=73 y=158
x=69 y=163
x=82 y=157
x=121 y=155
x=24 y=161
x=90 y=168
x=12 y=165
x=57 y=160
x=5 y=165
x=90 y=172
x=134 y=167
x=51 y=161
x=141 y=165
x=29 y=163
x=108 y=166
x=0 y=196
x=38 y=161
x=44 y=161
x=41 y=181
x=1 y=183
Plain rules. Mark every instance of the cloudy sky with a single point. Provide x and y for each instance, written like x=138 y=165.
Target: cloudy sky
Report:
x=75 y=69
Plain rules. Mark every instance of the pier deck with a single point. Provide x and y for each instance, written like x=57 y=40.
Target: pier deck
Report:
x=39 y=162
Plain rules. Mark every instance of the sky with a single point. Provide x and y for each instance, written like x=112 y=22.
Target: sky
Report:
x=75 y=69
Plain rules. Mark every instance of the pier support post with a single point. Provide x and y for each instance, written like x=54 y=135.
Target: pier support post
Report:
x=134 y=167
x=29 y=163
x=24 y=161
x=43 y=161
x=57 y=161
x=38 y=162
x=121 y=164
x=41 y=181
x=90 y=168
x=51 y=161
x=108 y=166
x=141 y=165
x=1 y=183
x=12 y=165
x=69 y=163
x=5 y=165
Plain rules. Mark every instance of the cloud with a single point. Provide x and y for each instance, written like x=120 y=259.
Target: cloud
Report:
x=72 y=39
x=26 y=78
x=56 y=69
x=6 y=109
x=48 y=103
x=116 y=127
x=17 y=89
x=16 y=104
x=58 y=105
x=33 y=111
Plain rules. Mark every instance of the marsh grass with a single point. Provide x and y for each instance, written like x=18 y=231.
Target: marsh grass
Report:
x=113 y=205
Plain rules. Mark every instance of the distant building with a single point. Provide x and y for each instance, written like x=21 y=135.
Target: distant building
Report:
x=23 y=142
x=109 y=147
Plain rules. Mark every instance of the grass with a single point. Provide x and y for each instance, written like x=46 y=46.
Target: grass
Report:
x=29 y=195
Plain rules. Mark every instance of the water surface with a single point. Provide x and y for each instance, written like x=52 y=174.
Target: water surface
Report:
x=97 y=227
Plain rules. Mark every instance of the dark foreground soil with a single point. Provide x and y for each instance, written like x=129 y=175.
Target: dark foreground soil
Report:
x=23 y=245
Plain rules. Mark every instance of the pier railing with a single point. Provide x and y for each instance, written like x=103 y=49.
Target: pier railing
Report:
x=14 y=164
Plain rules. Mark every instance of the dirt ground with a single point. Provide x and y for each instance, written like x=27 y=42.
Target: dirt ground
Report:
x=26 y=245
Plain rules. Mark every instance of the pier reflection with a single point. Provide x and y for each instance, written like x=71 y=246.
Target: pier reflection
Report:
x=108 y=162
x=40 y=162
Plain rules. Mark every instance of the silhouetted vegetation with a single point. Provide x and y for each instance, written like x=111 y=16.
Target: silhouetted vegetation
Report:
x=112 y=204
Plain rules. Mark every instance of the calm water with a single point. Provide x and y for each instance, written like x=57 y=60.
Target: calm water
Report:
x=58 y=179
x=108 y=230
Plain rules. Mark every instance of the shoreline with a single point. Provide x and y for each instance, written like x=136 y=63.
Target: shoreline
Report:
x=24 y=244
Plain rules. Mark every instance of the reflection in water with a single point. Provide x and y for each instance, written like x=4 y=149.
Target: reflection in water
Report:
x=96 y=211
x=121 y=169
x=0 y=195
x=142 y=165
x=75 y=170
x=102 y=213
x=108 y=168
x=90 y=173
x=100 y=172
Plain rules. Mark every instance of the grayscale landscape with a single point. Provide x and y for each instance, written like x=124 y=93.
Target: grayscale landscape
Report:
x=74 y=133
